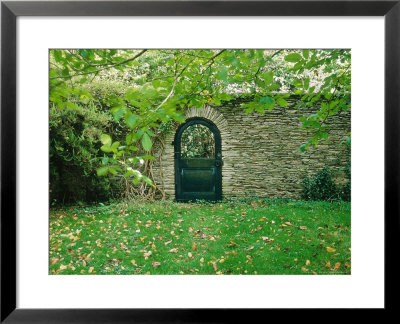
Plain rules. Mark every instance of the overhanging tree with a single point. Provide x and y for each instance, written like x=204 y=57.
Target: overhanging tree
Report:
x=161 y=84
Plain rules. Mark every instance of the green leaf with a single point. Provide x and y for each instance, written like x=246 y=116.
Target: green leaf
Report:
x=249 y=109
x=148 y=181
x=128 y=174
x=260 y=109
x=293 y=57
x=65 y=72
x=105 y=139
x=148 y=157
x=306 y=83
x=131 y=121
x=268 y=101
x=282 y=102
x=106 y=148
x=146 y=142
x=102 y=171
x=112 y=170
x=118 y=114
x=71 y=105
x=114 y=147
x=268 y=77
x=222 y=73
x=138 y=134
x=306 y=53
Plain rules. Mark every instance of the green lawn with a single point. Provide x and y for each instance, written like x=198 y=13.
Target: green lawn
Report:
x=261 y=237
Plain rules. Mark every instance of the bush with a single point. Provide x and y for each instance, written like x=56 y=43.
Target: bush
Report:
x=74 y=150
x=321 y=187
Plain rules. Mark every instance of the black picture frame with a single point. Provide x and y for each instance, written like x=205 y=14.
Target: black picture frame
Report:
x=10 y=10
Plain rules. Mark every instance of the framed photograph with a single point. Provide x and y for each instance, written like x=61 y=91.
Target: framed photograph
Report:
x=162 y=159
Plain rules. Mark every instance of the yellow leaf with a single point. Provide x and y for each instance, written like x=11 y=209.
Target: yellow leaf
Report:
x=90 y=269
x=174 y=250
x=308 y=262
x=303 y=227
x=54 y=260
x=194 y=246
x=134 y=262
x=155 y=264
x=329 y=249
x=328 y=264
x=63 y=267
x=337 y=265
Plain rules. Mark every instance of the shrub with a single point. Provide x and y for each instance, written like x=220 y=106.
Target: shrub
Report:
x=74 y=150
x=321 y=187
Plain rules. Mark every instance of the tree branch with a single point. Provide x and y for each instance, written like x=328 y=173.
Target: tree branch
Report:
x=105 y=68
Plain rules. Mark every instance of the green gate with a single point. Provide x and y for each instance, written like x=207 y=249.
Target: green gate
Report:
x=198 y=161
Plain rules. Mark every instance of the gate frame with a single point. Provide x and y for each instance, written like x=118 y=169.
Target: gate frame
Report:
x=218 y=150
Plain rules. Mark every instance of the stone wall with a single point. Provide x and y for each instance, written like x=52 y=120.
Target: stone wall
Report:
x=261 y=151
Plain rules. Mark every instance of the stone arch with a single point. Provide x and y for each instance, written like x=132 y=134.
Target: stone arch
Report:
x=165 y=171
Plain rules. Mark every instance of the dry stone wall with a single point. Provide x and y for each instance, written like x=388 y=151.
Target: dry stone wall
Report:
x=261 y=151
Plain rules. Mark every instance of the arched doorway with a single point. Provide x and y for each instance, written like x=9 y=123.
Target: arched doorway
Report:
x=198 y=161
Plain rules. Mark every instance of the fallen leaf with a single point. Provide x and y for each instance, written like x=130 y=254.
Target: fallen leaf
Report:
x=194 y=246
x=166 y=243
x=63 y=267
x=308 y=262
x=249 y=248
x=214 y=265
x=288 y=223
x=54 y=260
x=259 y=228
x=134 y=262
x=231 y=244
x=347 y=265
x=337 y=265
x=304 y=269
x=155 y=264
x=174 y=250
x=90 y=269
x=147 y=254
x=303 y=227
x=190 y=255
x=329 y=249
x=328 y=264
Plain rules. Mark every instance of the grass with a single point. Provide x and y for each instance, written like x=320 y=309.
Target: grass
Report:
x=259 y=237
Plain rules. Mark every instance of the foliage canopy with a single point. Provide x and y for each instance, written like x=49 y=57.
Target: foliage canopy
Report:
x=158 y=85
